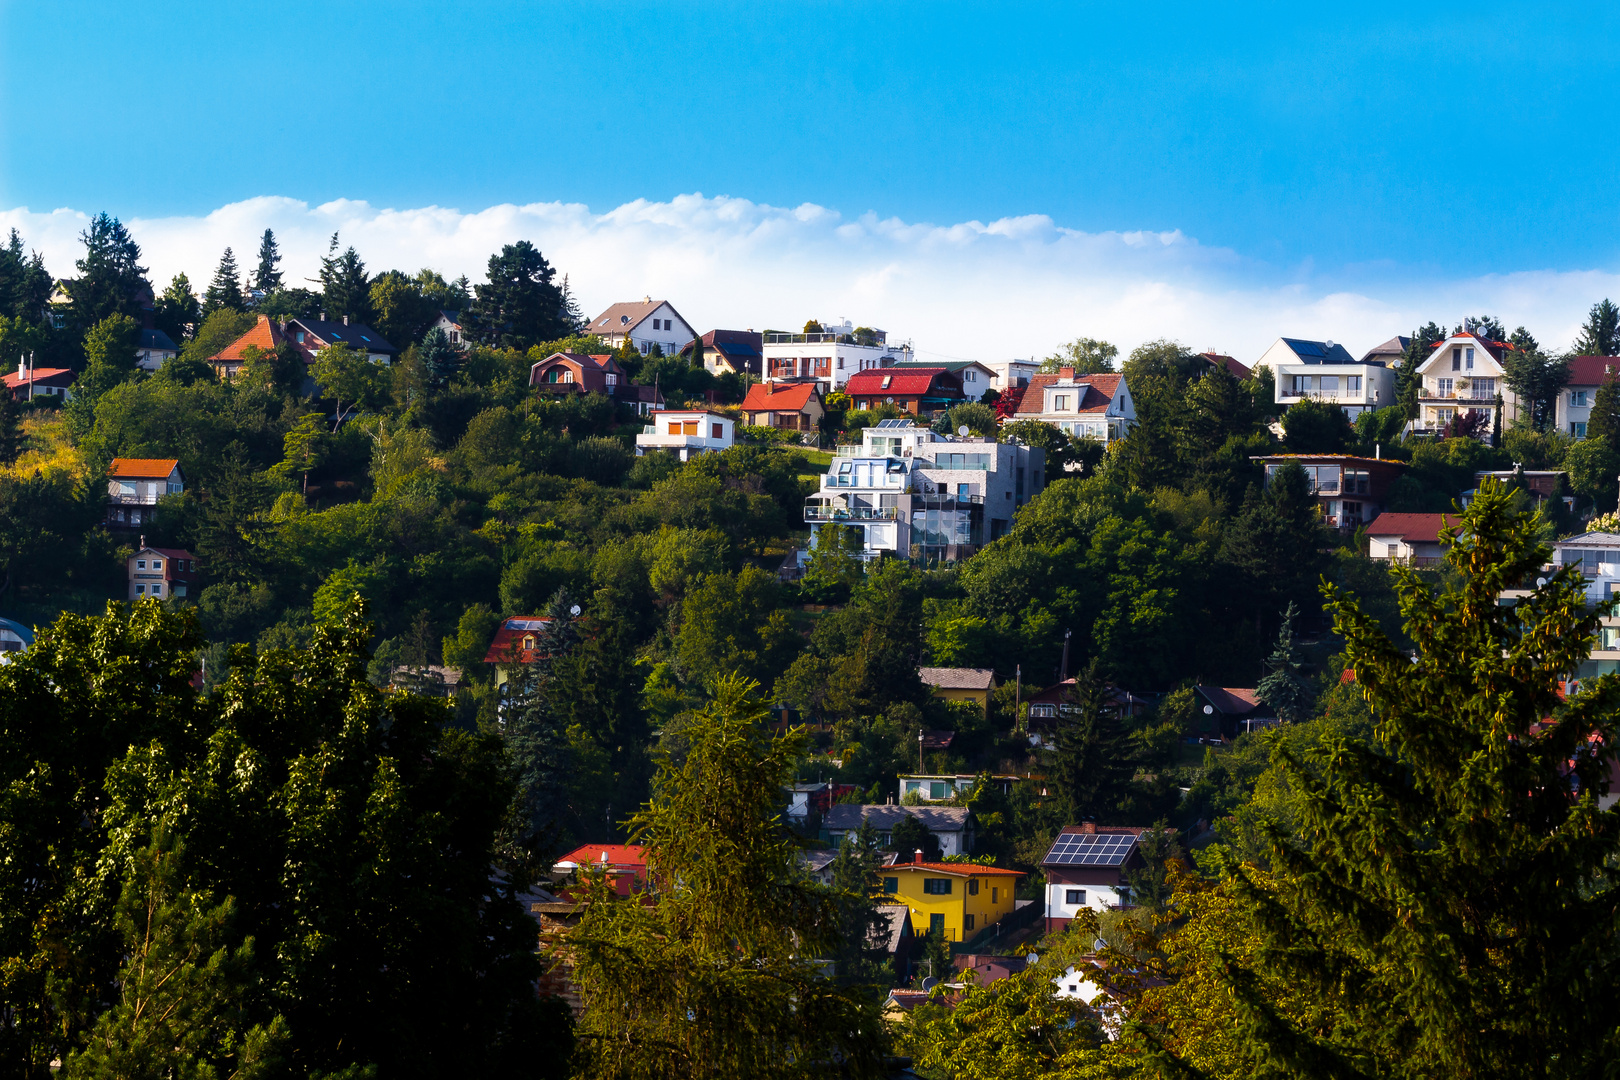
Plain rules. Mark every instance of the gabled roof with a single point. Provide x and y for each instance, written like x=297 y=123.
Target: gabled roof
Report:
x=1099 y=392
x=1592 y=370
x=37 y=375
x=623 y=318
x=264 y=335
x=953 y=366
x=741 y=344
x=615 y=855
x=1495 y=348
x=504 y=649
x=901 y=380
x=845 y=816
x=355 y=335
x=1319 y=352
x=955 y=869
x=1393 y=349
x=1231 y=700
x=1097 y=847
x=1234 y=367
x=1411 y=528
x=896 y=925
x=168 y=553
x=157 y=339
x=142 y=468
x=958 y=678
x=776 y=397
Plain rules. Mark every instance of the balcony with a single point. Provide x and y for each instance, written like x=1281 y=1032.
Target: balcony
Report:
x=822 y=512
x=820 y=339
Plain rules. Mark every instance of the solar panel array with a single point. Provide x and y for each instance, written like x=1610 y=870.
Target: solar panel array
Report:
x=1091 y=849
x=526 y=624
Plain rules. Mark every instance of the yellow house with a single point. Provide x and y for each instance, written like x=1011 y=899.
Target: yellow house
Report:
x=959 y=899
x=960 y=684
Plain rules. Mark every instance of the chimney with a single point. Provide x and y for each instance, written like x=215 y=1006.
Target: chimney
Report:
x=345 y=320
x=22 y=369
x=143 y=543
x=916 y=858
x=1088 y=828
x=1066 y=374
x=604 y=854
x=323 y=316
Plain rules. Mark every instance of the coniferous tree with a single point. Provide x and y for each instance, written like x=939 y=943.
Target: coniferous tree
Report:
x=13 y=440
x=178 y=313
x=1092 y=766
x=571 y=313
x=266 y=277
x=1275 y=543
x=345 y=288
x=110 y=277
x=1601 y=334
x=1535 y=379
x=439 y=357
x=1408 y=383
x=1603 y=425
x=860 y=958
x=25 y=285
x=225 y=291
x=1440 y=878
x=537 y=736
x=520 y=305
x=1284 y=687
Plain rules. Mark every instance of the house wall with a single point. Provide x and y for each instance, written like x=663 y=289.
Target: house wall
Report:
x=1103 y=888
x=1439 y=400
x=644 y=336
x=992 y=902
x=1374 y=389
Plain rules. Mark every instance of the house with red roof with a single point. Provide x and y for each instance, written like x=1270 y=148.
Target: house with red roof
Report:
x=516 y=644
x=1096 y=407
x=1412 y=539
x=1227 y=711
x=134 y=486
x=1231 y=364
x=598 y=373
x=624 y=864
x=1464 y=374
x=265 y=335
x=26 y=383
x=920 y=391
x=794 y=406
x=160 y=573
x=1586 y=375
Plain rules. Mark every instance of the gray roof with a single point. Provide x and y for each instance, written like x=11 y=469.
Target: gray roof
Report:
x=356 y=334
x=1393 y=349
x=938 y=819
x=958 y=678
x=899 y=917
x=157 y=339
x=817 y=860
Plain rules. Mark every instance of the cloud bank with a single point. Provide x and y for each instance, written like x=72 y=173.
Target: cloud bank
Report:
x=1012 y=287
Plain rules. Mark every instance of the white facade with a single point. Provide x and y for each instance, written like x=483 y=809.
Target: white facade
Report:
x=1462 y=375
x=1065 y=901
x=450 y=326
x=1095 y=407
x=646 y=324
x=1326 y=371
x=687 y=433
x=829 y=357
x=1010 y=373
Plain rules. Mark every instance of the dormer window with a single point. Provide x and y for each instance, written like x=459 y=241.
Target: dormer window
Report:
x=528 y=642
x=1060 y=402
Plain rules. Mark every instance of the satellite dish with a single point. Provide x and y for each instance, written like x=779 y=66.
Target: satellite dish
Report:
x=1032 y=959
x=1209 y=710
x=963 y=430
x=574 y=610
x=929 y=983
x=1540 y=581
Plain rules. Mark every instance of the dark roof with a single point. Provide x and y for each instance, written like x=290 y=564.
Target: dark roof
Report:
x=1395 y=347
x=157 y=339
x=1231 y=700
x=740 y=343
x=843 y=817
x=1234 y=367
x=358 y=335
x=1591 y=370
x=1101 y=848
x=1319 y=352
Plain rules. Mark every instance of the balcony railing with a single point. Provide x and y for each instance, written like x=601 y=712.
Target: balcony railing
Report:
x=820 y=339
x=1484 y=397
x=857 y=513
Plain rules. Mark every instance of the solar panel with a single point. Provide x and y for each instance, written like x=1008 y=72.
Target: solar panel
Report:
x=1090 y=849
x=525 y=624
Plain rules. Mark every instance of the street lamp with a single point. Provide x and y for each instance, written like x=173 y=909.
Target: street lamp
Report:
x=919 y=751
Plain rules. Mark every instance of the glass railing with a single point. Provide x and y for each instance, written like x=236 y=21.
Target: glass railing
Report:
x=858 y=513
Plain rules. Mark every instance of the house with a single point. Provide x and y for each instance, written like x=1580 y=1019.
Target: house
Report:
x=807 y=799
x=1586 y=374
x=895 y=937
x=1228 y=710
x=624 y=864
x=915 y=389
x=27 y=383
x=1539 y=484
x=988 y=967
x=1326 y=371
x=960 y=684
x=1411 y=539
x=1006 y=374
x=1232 y=365
x=14 y=638
x=1045 y=706
x=1349 y=489
x=1464 y=374
x=794 y=406
x=161 y=572
x=155 y=349
x=515 y=645
x=1596 y=557
x=977 y=379
x=434 y=680
x=1096 y=407
x=1087 y=867
x=740 y=352
x=686 y=433
x=917 y=494
x=646 y=323
x=941 y=787
x=264 y=335
x=576 y=373
x=134 y=486
x=898 y=1005
x=449 y=322
x=818 y=862
x=829 y=355
x=1389 y=353
x=952 y=826
x=312 y=336
x=957 y=900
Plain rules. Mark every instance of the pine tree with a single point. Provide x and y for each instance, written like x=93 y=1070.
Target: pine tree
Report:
x=860 y=958
x=1284 y=687
x=110 y=277
x=13 y=440
x=225 y=291
x=571 y=313
x=1601 y=334
x=1446 y=904
x=439 y=357
x=521 y=305
x=1092 y=766
x=537 y=737
x=1408 y=383
x=266 y=278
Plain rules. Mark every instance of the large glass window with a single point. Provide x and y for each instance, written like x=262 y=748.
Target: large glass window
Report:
x=1330 y=384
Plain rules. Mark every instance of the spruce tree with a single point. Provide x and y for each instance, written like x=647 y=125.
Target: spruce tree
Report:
x=110 y=277
x=13 y=440
x=439 y=357
x=1408 y=383
x=1284 y=687
x=860 y=957
x=537 y=738
x=1092 y=766
x=345 y=288
x=267 y=278
x=225 y=291
x=1601 y=334
x=1446 y=905
x=520 y=305
x=178 y=313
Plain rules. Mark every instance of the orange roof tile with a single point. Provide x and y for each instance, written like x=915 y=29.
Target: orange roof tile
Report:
x=764 y=397
x=265 y=335
x=962 y=869
x=142 y=468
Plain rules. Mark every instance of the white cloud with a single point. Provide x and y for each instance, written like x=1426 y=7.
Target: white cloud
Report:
x=1012 y=287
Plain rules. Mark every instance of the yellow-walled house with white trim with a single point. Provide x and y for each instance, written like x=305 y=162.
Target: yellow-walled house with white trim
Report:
x=959 y=898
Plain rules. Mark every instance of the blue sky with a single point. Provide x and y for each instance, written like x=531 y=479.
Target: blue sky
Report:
x=1343 y=147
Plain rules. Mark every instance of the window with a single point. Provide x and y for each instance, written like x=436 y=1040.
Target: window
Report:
x=1444 y=415
x=964 y=489
x=937 y=886
x=1456 y=359
x=689 y=427
x=674 y=428
x=1302 y=385
x=995 y=895
x=612 y=379
x=967 y=922
x=717 y=431
x=1074 y=896
x=140 y=589
x=157 y=590
x=1577 y=430
x=887 y=379
x=1060 y=402
x=1444 y=386
x=936 y=789
x=1577 y=398
x=936 y=925
x=1352 y=384
x=528 y=642
x=1352 y=511
x=973 y=886
x=1330 y=384
x=179 y=590
x=140 y=564
x=840 y=363
x=300 y=337
x=157 y=564
x=913 y=785
x=891 y=884
x=1468 y=361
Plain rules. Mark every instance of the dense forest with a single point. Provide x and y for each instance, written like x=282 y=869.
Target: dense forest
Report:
x=297 y=818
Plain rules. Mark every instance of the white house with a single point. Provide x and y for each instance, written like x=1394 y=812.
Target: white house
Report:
x=829 y=356
x=1413 y=539
x=687 y=432
x=1586 y=374
x=134 y=486
x=646 y=322
x=1463 y=374
x=1326 y=370
x=156 y=349
x=1010 y=373
x=1096 y=407
x=450 y=323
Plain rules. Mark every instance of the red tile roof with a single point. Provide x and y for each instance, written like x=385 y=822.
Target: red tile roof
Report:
x=1232 y=364
x=616 y=855
x=961 y=869
x=1592 y=370
x=1100 y=390
x=505 y=648
x=768 y=397
x=1411 y=528
x=142 y=468
x=1231 y=699
x=901 y=382
x=265 y=335
x=38 y=375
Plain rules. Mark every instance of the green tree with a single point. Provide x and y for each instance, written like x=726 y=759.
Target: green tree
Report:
x=536 y=736
x=1594 y=467
x=1284 y=687
x=25 y=285
x=978 y=418
x=225 y=291
x=910 y=836
x=1603 y=424
x=303 y=448
x=13 y=439
x=177 y=312
x=110 y=359
x=1408 y=382
x=1601 y=334
x=1459 y=865
x=835 y=565
x=713 y=978
x=228 y=532
x=1275 y=543
x=441 y=359
x=402 y=313
x=267 y=276
x=345 y=288
x=1087 y=356
x=1315 y=426
x=466 y=650
x=520 y=305
x=1535 y=378
x=110 y=278
x=1091 y=764
x=345 y=374
x=731 y=623
x=861 y=955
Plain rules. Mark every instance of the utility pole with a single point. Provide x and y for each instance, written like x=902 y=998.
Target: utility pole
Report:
x=1063 y=672
x=919 y=751
x=1018 y=694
